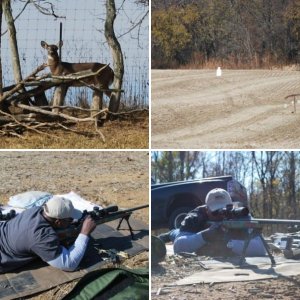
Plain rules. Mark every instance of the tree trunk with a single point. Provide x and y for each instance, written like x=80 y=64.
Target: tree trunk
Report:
x=6 y=7
x=170 y=166
x=292 y=185
x=182 y=161
x=261 y=172
x=1 y=83
x=115 y=47
x=12 y=40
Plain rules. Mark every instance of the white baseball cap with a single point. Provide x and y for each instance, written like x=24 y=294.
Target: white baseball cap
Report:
x=61 y=208
x=217 y=199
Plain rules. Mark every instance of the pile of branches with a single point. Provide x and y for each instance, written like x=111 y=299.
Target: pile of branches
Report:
x=37 y=115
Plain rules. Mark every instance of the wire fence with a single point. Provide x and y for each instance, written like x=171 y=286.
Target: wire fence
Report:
x=84 y=41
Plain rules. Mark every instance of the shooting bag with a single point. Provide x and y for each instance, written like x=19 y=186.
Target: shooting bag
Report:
x=112 y=283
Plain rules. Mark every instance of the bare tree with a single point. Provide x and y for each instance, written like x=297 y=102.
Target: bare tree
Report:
x=12 y=40
x=6 y=7
x=176 y=165
x=1 y=83
x=290 y=182
x=182 y=163
x=117 y=55
x=267 y=167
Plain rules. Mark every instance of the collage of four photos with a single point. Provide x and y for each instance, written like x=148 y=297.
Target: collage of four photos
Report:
x=149 y=149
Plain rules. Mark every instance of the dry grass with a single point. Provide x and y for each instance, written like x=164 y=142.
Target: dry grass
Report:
x=198 y=61
x=125 y=134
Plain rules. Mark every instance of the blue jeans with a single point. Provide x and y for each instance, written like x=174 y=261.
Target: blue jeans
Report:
x=255 y=247
x=190 y=242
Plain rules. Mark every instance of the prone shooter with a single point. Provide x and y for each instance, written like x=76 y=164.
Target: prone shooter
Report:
x=232 y=230
x=40 y=231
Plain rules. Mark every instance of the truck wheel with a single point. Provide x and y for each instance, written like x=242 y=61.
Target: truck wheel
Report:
x=177 y=216
x=158 y=250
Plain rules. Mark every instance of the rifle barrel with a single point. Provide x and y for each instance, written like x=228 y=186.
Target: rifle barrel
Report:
x=277 y=221
x=256 y=223
x=135 y=208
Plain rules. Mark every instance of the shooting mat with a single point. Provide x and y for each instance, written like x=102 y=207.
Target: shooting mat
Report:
x=228 y=270
x=38 y=277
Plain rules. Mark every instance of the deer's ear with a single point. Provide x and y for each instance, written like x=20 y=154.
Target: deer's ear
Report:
x=60 y=43
x=44 y=44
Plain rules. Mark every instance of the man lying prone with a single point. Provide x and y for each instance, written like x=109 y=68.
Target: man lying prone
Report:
x=32 y=234
x=196 y=233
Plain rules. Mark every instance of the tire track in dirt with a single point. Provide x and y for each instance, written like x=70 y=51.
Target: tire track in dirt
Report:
x=196 y=136
x=210 y=88
x=243 y=109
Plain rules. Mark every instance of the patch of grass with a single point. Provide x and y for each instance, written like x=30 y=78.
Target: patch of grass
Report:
x=126 y=134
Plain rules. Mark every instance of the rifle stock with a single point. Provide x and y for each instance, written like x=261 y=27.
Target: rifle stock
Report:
x=100 y=216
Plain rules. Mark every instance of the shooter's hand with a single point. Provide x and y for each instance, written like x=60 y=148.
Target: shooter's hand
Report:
x=88 y=225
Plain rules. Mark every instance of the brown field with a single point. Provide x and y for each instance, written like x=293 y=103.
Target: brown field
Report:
x=131 y=133
x=105 y=178
x=242 y=109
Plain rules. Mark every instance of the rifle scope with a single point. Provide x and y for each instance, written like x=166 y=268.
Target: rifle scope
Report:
x=229 y=212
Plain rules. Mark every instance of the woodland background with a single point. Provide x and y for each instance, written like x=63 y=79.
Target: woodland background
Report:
x=270 y=177
x=230 y=33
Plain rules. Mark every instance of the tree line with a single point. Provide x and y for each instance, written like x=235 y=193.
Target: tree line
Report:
x=231 y=33
x=270 y=177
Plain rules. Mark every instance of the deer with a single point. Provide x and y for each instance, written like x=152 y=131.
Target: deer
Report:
x=59 y=68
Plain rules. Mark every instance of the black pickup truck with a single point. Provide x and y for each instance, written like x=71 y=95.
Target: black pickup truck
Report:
x=171 y=201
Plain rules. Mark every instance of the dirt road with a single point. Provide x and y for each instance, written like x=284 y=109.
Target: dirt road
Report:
x=242 y=109
x=120 y=177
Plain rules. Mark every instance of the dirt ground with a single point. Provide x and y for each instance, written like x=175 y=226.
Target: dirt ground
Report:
x=115 y=177
x=242 y=109
x=175 y=268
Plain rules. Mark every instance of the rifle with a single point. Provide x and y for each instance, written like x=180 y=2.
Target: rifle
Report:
x=256 y=226
x=100 y=216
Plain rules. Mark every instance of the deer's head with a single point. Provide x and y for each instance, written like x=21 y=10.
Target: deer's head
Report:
x=51 y=49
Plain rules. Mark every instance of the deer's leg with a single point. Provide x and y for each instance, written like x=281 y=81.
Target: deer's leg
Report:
x=96 y=103
x=59 y=96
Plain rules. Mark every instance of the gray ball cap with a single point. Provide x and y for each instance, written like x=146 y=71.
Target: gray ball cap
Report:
x=217 y=199
x=61 y=208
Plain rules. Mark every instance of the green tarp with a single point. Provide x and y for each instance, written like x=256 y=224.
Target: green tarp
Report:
x=112 y=283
